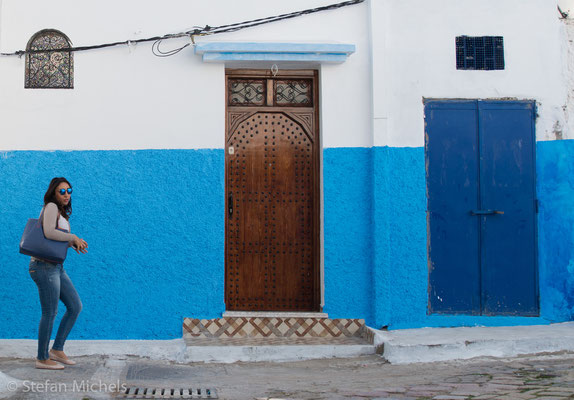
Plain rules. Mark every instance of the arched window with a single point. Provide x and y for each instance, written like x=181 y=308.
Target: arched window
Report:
x=49 y=69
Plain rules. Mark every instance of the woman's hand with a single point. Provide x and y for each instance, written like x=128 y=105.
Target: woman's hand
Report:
x=80 y=245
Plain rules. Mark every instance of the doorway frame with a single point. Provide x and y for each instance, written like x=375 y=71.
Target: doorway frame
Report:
x=255 y=73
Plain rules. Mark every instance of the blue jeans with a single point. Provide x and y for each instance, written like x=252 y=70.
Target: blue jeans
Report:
x=54 y=284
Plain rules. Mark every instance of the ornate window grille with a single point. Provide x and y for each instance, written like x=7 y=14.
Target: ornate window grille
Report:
x=246 y=92
x=46 y=68
x=294 y=93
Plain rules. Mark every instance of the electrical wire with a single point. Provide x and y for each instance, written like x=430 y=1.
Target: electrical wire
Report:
x=159 y=53
x=255 y=22
x=197 y=31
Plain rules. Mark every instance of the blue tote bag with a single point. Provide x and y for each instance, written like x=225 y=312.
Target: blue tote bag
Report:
x=34 y=243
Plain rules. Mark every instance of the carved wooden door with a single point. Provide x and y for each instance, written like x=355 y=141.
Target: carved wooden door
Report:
x=271 y=235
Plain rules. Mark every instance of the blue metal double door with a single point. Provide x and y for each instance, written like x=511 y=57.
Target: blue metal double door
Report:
x=481 y=215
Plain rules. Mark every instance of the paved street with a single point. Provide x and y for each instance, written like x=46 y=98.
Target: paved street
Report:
x=537 y=377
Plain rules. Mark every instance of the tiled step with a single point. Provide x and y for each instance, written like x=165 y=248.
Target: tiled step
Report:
x=272 y=327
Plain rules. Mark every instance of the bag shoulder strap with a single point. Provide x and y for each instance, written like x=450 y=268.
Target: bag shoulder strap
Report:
x=41 y=217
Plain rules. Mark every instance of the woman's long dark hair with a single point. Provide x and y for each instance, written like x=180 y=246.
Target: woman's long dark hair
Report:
x=50 y=197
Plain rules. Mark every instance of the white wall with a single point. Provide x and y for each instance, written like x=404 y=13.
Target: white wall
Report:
x=567 y=6
x=414 y=58
x=568 y=128
x=130 y=99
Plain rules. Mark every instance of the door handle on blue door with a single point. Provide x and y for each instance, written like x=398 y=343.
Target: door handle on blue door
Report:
x=486 y=212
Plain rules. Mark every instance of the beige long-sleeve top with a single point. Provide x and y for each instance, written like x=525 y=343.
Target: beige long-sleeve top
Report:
x=50 y=222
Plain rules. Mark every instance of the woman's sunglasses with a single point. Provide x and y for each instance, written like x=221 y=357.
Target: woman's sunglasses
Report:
x=63 y=191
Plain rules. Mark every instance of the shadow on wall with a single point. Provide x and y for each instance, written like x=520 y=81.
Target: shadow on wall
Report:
x=556 y=228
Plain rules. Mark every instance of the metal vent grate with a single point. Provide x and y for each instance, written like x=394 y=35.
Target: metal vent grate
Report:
x=479 y=53
x=138 y=392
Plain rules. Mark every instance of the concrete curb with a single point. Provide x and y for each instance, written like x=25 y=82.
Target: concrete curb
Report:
x=176 y=350
x=172 y=350
x=444 y=344
x=398 y=346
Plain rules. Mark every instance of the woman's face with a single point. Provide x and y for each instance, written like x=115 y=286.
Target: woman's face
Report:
x=63 y=199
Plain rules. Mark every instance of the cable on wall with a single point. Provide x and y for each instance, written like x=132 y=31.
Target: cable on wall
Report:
x=197 y=31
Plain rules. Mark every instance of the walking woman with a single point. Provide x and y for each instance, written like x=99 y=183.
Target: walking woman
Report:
x=51 y=278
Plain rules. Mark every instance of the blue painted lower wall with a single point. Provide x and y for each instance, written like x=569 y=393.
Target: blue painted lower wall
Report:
x=348 y=243
x=400 y=272
x=555 y=170
x=154 y=220
x=154 y=224
x=400 y=228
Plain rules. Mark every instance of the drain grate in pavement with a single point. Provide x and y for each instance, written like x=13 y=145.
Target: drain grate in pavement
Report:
x=138 y=392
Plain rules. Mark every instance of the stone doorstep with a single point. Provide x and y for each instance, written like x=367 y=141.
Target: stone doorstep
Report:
x=274 y=338
x=278 y=341
x=274 y=327
x=274 y=351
